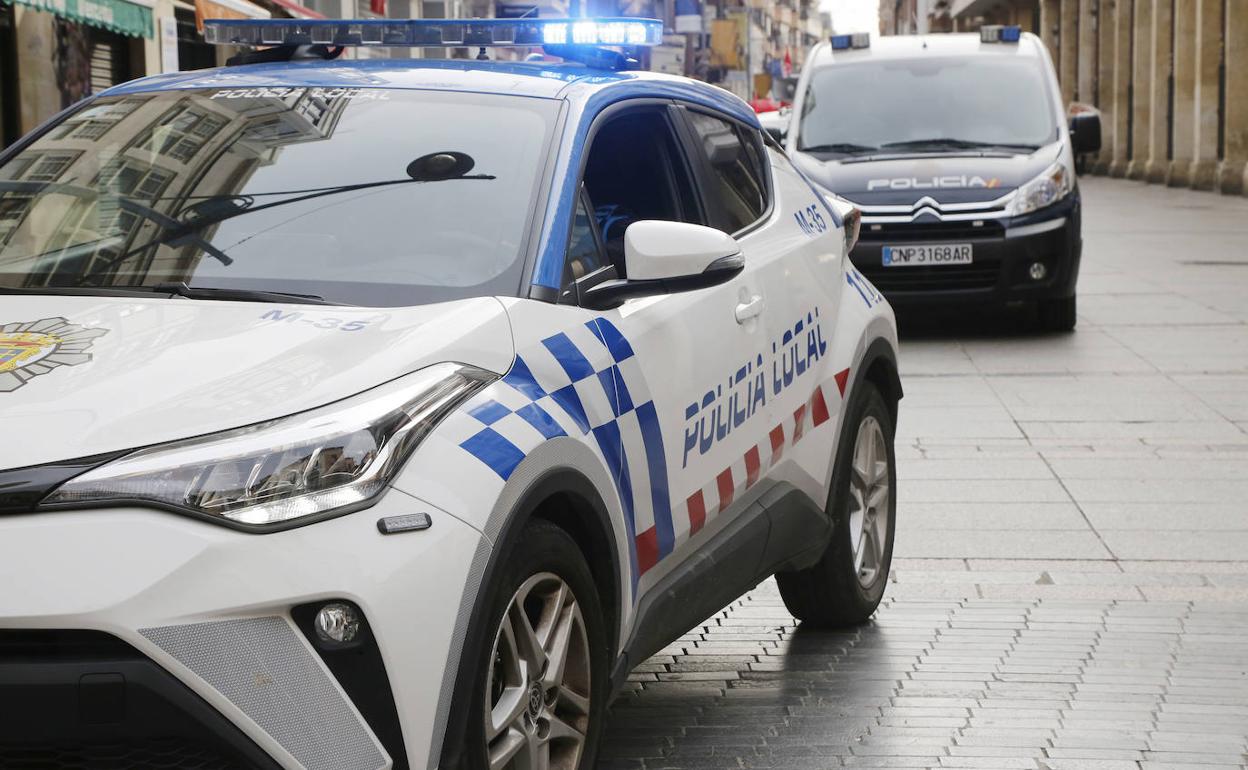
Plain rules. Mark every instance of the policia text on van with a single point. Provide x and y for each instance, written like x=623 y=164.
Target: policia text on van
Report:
x=959 y=153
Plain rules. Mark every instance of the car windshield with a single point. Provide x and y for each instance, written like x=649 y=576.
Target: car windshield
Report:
x=361 y=196
x=927 y=105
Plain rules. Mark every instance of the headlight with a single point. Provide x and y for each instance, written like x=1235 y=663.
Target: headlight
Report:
x=314 y=463
x=1045 y=190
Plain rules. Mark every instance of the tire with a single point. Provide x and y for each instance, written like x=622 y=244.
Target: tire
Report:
x=836 y=592
x=1058 y=315
x=546 y=584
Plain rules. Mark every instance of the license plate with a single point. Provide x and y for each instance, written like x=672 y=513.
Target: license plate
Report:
x=927 y=254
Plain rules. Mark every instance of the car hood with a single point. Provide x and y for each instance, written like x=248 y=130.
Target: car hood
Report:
x=87 y=375
x=947 y=178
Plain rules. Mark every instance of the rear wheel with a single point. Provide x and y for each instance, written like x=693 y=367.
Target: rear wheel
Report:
x=541 y=683
x=846 y=585
x=1058 y=315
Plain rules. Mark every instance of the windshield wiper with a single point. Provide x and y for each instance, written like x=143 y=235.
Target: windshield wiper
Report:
x=178 y=288
x=181 y=289
x=943 y=142
x=845 y=148
x=213 y=210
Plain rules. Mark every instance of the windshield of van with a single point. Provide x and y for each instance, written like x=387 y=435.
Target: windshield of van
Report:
x=365 y=196
x=927 y=105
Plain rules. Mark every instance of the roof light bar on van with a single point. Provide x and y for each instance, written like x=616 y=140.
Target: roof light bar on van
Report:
x=415 y=33
x=996 y=33
x=855 y=40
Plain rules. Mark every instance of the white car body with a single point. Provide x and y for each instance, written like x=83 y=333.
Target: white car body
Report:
x=690 y=449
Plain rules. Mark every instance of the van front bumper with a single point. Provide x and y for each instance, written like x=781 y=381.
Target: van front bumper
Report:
x=1003 y=253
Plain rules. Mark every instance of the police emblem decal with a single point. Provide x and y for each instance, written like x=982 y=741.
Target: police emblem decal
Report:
x=31 y=348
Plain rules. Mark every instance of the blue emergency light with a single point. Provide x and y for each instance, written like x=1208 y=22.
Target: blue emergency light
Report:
x=996 y=33
x=473 y=33
x=855 y=40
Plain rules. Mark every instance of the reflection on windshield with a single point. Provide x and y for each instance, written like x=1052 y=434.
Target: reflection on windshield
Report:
x=927 y=105
x=368 y=196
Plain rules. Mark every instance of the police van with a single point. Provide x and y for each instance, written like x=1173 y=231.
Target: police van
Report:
x=385 y=413
x=958 y=151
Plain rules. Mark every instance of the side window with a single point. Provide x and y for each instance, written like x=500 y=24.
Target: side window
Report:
x=585 y=256
x=635 y=171
x=737 y=172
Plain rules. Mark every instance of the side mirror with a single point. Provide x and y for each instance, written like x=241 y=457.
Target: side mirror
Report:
x=667 y=257
x=1085 y=132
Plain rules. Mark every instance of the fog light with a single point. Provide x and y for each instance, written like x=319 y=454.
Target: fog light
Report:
x=337 y=623
x=1037 y=271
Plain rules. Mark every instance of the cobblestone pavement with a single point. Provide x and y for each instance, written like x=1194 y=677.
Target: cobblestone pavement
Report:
x=1070 y=587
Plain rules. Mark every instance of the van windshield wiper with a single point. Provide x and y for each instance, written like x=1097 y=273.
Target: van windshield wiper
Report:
x=845 y=148
x=944 y=142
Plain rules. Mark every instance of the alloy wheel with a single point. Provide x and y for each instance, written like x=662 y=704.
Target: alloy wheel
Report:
x=537 y=697
x=869 y=501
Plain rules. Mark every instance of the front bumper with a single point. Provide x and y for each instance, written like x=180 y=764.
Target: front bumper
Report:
x=195 y=624
x=1003 y=251
x=87 y=699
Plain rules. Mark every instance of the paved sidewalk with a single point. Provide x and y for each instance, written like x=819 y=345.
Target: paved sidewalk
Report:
x=1071 y=584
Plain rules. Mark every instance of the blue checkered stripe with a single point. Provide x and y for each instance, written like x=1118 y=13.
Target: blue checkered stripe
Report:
x=586 y=383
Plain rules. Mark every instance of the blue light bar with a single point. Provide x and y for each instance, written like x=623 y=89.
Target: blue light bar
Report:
x=473 y=33
x=856 y=40
x=996 y=33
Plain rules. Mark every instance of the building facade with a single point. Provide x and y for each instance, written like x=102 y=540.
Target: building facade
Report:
x=1170 y=78
x=53 y=53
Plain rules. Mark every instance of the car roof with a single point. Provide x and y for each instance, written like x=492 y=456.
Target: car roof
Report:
x=917 y=46
x=543 y=80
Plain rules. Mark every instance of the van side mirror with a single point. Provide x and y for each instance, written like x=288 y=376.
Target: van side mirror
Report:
x=663 y=257
x=1085 y=132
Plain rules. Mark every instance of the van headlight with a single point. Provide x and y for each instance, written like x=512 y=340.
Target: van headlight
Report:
x=325 y=461
x=1045 y=190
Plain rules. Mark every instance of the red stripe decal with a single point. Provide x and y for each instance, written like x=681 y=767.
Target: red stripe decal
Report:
x=697 y=512
x=777 y=443
x=842 y=379
x=753 y=463
x=724 y=482
x=799 y=419
x=647 y=550
x=818 y=408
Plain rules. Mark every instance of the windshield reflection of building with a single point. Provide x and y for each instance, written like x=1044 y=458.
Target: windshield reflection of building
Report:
x=163 y=152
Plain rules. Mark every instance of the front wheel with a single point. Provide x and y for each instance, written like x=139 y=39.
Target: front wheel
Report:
x=541 y=680
x=846 y=585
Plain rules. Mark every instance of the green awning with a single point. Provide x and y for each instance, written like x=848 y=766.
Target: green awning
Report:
x=115 y=15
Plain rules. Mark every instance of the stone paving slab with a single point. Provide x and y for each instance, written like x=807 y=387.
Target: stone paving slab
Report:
x=1070 y=583
x=930 y=684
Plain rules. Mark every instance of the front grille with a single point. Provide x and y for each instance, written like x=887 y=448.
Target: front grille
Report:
x=77 y=698
x=155 y=754
x=52 y=645
x=930 y=231
x=937 y=278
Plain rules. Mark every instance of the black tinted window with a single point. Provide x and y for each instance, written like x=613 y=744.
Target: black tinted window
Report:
x=737 y=171
x=635 y=171
x=584 y=255
x=359 y=195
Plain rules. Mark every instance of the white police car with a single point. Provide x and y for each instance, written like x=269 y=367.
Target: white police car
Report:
x=379 y=413
x=958 y=151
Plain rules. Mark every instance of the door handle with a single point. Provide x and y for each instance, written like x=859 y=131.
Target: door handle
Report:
x=751 y=308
